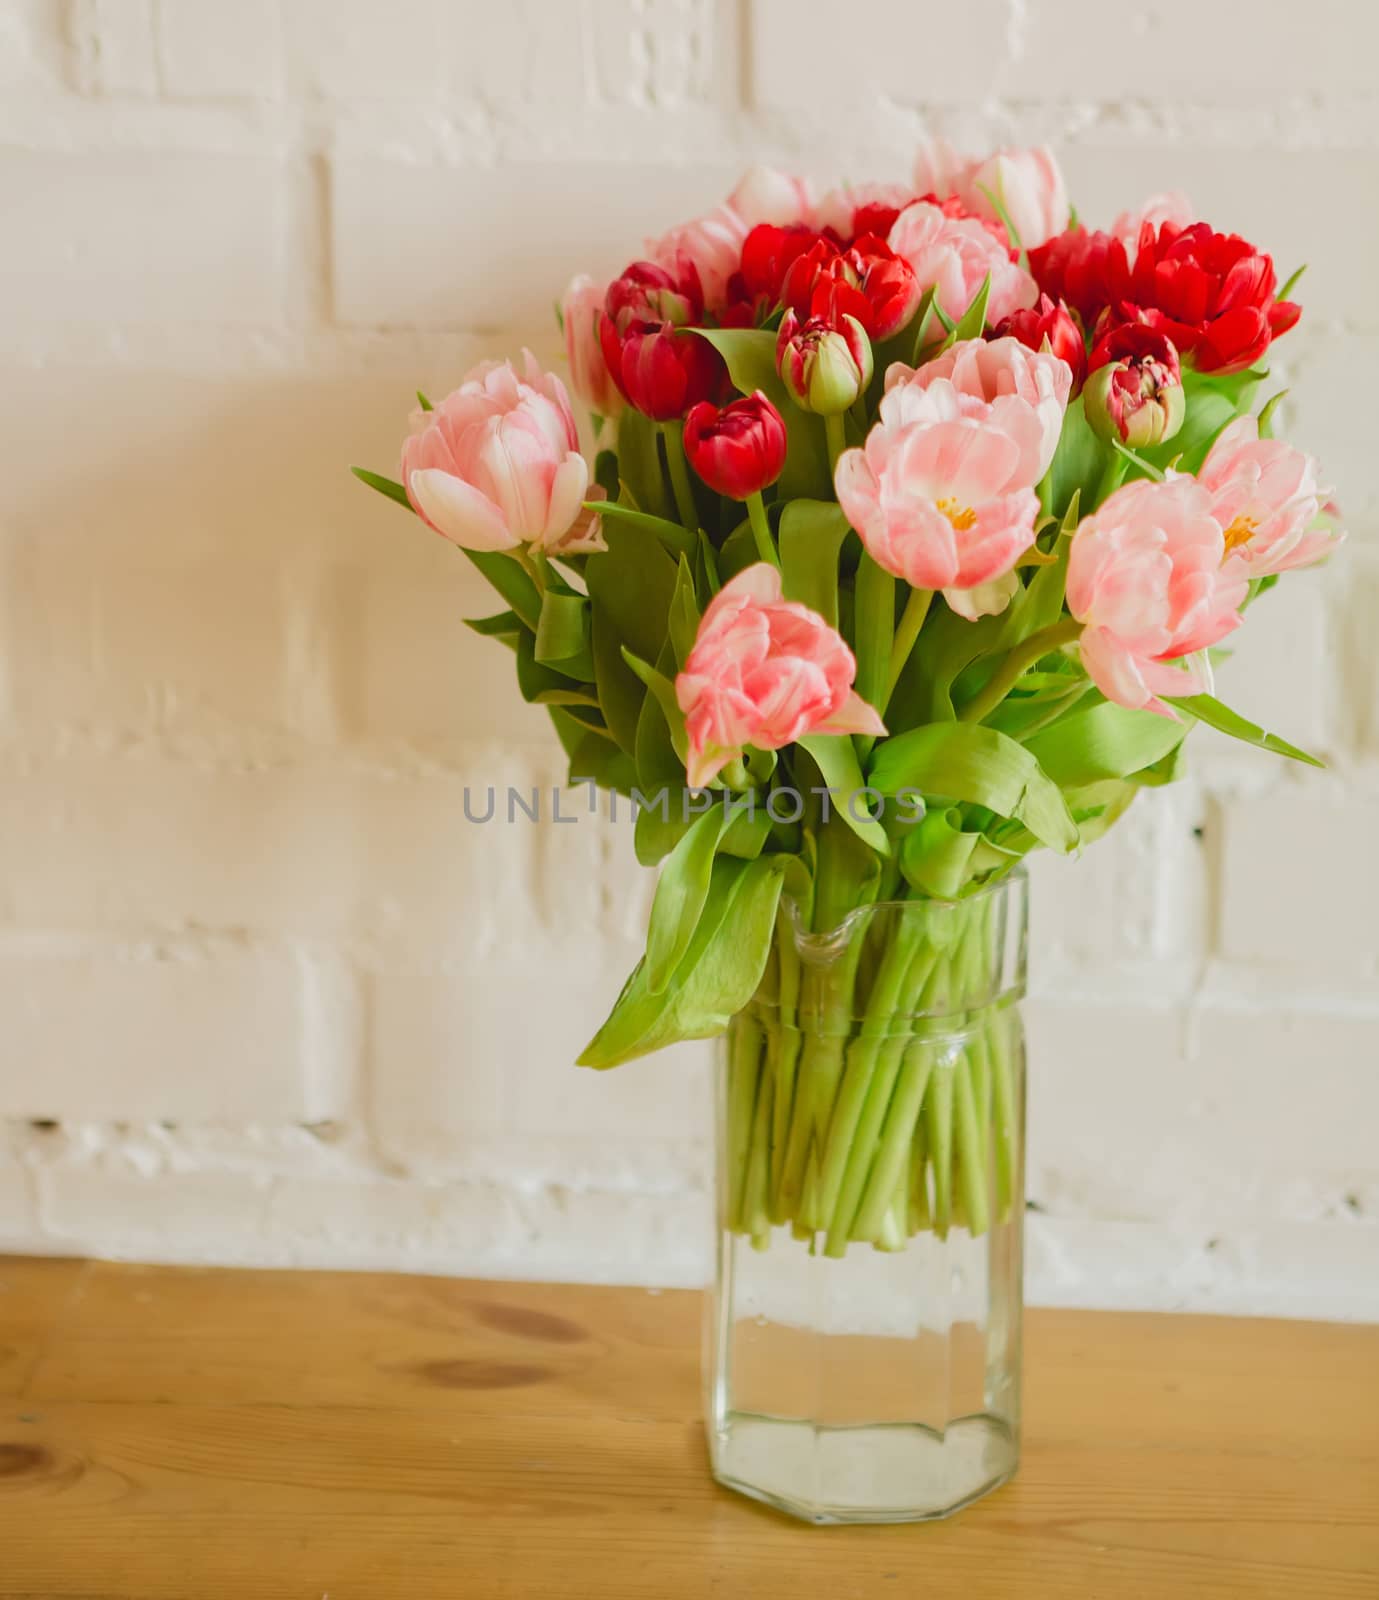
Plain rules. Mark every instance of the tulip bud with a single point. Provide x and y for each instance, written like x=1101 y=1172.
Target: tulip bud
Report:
x=824 y=367
x=1134 y=391
x=738 y=450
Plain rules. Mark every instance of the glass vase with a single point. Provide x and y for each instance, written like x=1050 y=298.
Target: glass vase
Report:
x=862 y=1357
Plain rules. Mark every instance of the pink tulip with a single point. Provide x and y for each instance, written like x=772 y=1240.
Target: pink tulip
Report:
x=940 y=495
x=1026 y=185
x=589 y=374
x=1171 y=206
x=764 y=672
x=497 y=463
x=1026 y=391
x=1264 y=494
x=952 y=255
x=1145 y=575
x=712 y=244
x=765 y=194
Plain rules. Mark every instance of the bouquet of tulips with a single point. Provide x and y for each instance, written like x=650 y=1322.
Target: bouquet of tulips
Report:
x=915 y=517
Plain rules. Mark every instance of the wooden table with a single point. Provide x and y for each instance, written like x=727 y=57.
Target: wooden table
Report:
x=198 y=1434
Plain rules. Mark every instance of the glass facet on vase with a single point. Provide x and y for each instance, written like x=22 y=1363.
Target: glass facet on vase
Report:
x=862 y=1356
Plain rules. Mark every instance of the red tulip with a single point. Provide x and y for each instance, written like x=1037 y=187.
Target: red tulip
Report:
x=1049 y=326
x=738 y=450
x=867 y=281
x=1088 y=271
x=662 y=370
x=1211 y=293
x=648 y=293
x=767 y=255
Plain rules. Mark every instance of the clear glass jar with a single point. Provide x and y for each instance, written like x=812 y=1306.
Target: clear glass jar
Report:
x=862 y=1357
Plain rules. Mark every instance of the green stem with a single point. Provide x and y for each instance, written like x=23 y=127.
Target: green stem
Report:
x=674 y=435
x=1112 y=476
x=522 y=555
x=907 y=631
x=873 y=632
x=893 y=1156
x=761 y=530
x=836 y=434
x=744 y=1061
x=1016 y=664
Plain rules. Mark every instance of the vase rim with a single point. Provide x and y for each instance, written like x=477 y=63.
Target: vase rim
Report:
x=1000 y=888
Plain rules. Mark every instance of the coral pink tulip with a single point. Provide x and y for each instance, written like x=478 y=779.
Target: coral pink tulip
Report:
x=1145 y=575
x=940 y=498
x=1026 y=185
x=952 y=255
x=497 y=463
x=764 y=672
x=1024 y=392
x=589 y=374
x=1264 y=494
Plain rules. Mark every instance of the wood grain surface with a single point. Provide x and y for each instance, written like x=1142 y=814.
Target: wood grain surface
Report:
x=187 y=1435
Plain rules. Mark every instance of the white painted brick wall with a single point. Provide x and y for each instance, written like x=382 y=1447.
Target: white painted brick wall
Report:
x=264 y=994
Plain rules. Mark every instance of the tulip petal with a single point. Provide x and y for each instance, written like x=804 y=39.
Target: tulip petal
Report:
x=457 y=510
x=853 y=716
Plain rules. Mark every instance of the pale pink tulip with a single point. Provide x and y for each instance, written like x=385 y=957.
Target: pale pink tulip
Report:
x=764 y=672
x=1264 y=494
x=497 y=463
x=952 y=255
x=1171 y=206
x=1145 y=575
x=712 y=244
x=938 y=168
x=1025 y=390
x=939 y=493
x=589 y=374
x=765 y=194
x=1026 y=185
x=838 y=207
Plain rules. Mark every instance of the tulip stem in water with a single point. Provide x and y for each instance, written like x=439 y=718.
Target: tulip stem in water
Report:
x=674 y=435
x=761 y=530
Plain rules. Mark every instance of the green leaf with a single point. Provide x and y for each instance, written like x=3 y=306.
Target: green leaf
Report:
x=717 y=975
x=562 y=635
x=873 y=628
x=664 y=691
x=1077 y=465
x=630 y=587
x=423 y=402
x=937 y=856
x=1286 y=291
x=968 y=762
x=973 y=320
x=542 y=685
x=510 y=579
x=1145 y=467
x=836 y=758
x=1209 y=710
x=738 y=552
x=497 y=627
x=677 y=540
x=684 y=614
x=811 y=537
x=750 y=354
x=1266 y=416
x=388 y=487
x=681 y=892
x=708 y=558
x=639 y=463
x=1104 y=741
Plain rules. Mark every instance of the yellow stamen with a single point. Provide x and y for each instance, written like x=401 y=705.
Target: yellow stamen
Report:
x=1241 y=531
x=961 y=517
